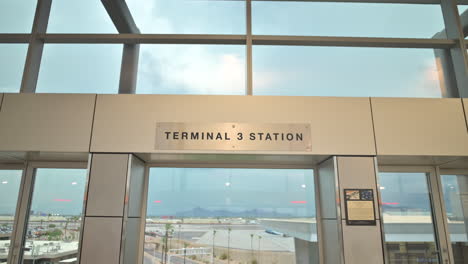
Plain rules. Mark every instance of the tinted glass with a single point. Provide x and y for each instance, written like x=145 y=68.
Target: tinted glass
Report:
x=455 y=189
x=13 y=57
x=189 y=16
x=84 y=16
x=16 y=16
x=407 y=219
x=463 y=9
x=54 y=223
x=80 y=68
x=346 y=19
x=10 y=181
x=342 y=71
x=191 y=69
x=246 y=215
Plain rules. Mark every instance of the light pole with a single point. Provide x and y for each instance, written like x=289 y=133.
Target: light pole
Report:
x=229 y=242
x=213 y=253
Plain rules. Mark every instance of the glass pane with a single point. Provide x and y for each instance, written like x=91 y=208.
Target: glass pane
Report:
x=463 y=9
x=346 y=19
x=246 y=215
x=189 y=16
x=80 y=68
x=16 y=16
x=13 y=57
x=54 y=223
x=84 y=16
x=343 y=71
x=10 y=181
x=455 y=188
x=407 y=218
x=191 y=69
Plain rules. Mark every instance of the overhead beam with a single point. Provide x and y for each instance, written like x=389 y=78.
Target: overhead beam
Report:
x=121 y=16
x=125 y=24
x=455 y=27
x=15 y=38
x=256 y=40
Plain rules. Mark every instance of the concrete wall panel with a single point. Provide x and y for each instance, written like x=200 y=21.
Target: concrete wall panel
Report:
x=46 y=122
x=362 y=244
x=419 y=126
x=107 y=183
x=359 y=173
x=126 y=123
x=101 y=240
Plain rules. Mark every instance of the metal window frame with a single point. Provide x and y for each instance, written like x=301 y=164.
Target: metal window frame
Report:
x=440 y=173
x=437 y=207
x=129 y=36
x=18 y=237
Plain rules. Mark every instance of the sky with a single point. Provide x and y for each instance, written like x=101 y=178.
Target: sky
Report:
x=220 y=69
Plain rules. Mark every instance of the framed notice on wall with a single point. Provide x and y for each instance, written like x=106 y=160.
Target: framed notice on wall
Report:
x=359 y=206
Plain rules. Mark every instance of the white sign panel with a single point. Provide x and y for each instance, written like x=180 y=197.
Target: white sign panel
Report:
x=233 y=136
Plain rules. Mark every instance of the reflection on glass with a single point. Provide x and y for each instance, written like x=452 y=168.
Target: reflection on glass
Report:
x=189 y=16
x=13 y=57
x=455 y=189
x=10 y=181
x=16 y=16
x=80 y=68
x=191 y=69
x=407 y=218
x=54 y=223
x=201 y=215
x=346 y=19
x=67 y=17
x=344 y=71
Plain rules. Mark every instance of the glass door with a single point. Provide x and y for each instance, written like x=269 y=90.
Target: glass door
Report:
x=413 y=224
x=454 y=185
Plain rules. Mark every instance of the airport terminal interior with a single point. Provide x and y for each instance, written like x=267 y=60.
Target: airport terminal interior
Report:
x=233 y=131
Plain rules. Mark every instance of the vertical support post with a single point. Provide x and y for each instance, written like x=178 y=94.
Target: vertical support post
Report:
x=328 y=213
x=129 y=69
x=248 y=58
x=122 y=17
x=459 y=56
x=112 y=225
x=36 y=46
x=362 y=243
x=22 y=213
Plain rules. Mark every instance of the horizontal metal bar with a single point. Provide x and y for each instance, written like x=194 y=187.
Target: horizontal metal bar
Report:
x=241 y=39
x=143 y=38
x=353 y=42
x=430 y=2
x=15 y=38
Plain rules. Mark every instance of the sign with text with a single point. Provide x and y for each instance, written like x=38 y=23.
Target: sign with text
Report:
x=233 y=136
x=359 y=205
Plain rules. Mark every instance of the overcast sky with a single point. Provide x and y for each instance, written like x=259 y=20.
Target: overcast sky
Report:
x=220 y=69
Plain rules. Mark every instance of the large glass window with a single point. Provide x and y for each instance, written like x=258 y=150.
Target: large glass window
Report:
x=191 y=69
x=13 y=57
x=343 y=71
x=80 y=68
x=346 y=19
x=455 y=189
x=83 y=16
x=407 y=218
x=54 y=223
x=245 y=215
x=16 y=16
x=10 y=181
x=189 y=17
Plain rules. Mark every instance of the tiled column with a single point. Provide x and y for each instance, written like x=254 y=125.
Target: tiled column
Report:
x=112 y=225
